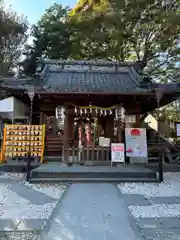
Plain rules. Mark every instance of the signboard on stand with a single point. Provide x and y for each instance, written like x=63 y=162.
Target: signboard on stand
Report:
x=136 y=142
x=117 y=152
x=104 y=142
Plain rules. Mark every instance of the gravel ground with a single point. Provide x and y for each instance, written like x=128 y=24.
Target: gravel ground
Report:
x=13 y=206
x=161 y=234
x=13 y=176
x=155 y=207
x=170 y=188
x=19 y=236
x=24 y=207
x=156 y=211
x=52 y=190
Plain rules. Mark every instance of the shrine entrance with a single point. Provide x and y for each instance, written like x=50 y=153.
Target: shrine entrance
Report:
x=54 y=134
x=54 y=127
x=81 y=134
x=94 y=130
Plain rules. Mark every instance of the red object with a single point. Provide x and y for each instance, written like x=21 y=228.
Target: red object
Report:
x=88 y=133
x=129 y=150
x=118 y=149
x=135 y=132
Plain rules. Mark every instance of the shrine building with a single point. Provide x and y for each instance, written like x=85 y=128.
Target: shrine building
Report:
x=86 y=105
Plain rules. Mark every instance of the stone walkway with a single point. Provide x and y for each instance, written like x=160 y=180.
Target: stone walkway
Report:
x=90 y=212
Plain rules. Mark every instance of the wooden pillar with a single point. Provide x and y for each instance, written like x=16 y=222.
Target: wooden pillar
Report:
x=120 y=132
x=121 y=124
x=41 y=120
x=66 y=125
x=71 y=122
x=138 y=123
x=109 y=127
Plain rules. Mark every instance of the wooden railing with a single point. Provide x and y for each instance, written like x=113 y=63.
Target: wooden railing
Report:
x=91 y=155
x=55 y=145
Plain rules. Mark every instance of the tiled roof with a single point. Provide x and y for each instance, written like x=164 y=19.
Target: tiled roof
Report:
x=18 y=83
x=84 y=77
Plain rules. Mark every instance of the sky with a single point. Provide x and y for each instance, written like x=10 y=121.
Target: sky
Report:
x=33 y=9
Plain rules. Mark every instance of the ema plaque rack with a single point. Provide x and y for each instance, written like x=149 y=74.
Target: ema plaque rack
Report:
x=19 y=140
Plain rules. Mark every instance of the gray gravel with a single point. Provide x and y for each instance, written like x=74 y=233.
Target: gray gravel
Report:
x=19 y=236
x=155 y=207
x=161 y=234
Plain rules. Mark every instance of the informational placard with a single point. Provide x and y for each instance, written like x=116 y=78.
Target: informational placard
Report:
x=136 y=142
x=104 y=142
x=117 y=152
x=178 y=129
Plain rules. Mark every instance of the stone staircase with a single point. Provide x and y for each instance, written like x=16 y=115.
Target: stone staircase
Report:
x=54 y=172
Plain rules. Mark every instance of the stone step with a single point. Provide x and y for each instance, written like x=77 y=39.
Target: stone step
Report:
x=115 y=180
x=89 y=174
x=56 y=172
x=53 y=159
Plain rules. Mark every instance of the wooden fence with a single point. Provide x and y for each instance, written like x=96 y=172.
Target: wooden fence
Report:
x=90 y=155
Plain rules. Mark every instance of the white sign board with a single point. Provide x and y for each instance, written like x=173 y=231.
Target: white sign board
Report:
x=117 y=152
x=104 y=142
x=136 y=142
x=178 y=129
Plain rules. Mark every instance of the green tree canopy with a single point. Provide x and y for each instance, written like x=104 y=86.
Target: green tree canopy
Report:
x=147 y=31
x=13 y=30
x=51 y=38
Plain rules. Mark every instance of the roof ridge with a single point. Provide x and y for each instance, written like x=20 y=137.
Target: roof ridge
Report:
x=91 y=62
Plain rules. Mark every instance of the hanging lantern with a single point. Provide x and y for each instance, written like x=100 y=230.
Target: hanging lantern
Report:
x=120 y=114
x=60 y=113
x=75 y=110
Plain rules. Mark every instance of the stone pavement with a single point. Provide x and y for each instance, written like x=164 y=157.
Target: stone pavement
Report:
x=89 y=212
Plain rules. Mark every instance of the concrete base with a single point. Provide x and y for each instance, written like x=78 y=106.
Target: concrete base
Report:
x=134 y=160
x=17 y=166
x=58 y=173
